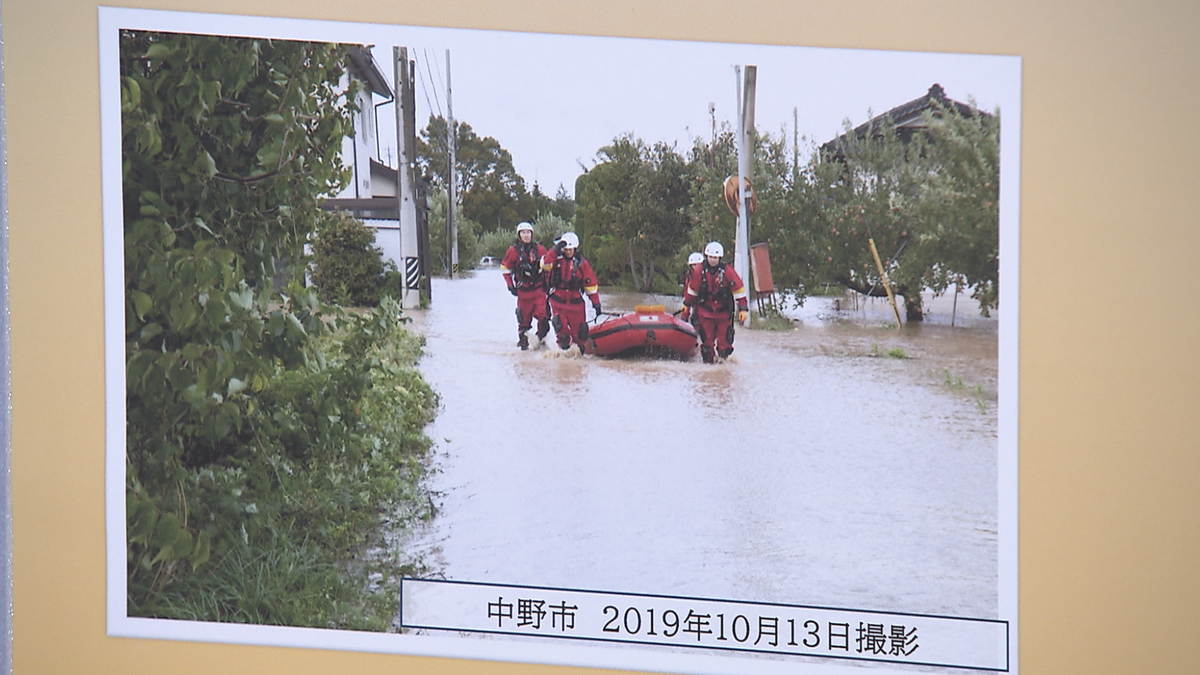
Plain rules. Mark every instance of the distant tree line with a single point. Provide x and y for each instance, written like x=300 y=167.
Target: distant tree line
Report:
x=492 y=196
x=930 y=202
x=929 y=199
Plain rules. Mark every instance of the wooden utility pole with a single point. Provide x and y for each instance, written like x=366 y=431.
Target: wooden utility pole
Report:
x=451 y=187
x=886 y=286
x=406 y=188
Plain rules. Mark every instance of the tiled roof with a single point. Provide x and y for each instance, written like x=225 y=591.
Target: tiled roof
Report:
x=904 y=116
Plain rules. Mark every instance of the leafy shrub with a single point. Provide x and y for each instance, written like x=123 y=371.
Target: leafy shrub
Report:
x=546 y=228
x=348 y=269
x=549 y=227
x=328 y=454
x=495 y=243
x=261 y=433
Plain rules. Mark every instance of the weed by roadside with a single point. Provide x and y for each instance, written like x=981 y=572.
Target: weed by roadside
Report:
x=976 y=391
x=893 y=353
x=775 y=322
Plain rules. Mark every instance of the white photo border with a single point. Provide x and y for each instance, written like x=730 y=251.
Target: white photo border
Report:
x=111 y=21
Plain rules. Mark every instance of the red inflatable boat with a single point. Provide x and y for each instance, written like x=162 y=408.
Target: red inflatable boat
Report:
x=649 y=329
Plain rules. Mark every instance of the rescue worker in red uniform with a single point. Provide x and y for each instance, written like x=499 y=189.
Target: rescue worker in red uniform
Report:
x=522 y=270
x=570 y=278
x=695 y=258
x=712 y=290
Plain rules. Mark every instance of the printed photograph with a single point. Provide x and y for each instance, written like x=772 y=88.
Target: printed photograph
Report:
x=562 y=349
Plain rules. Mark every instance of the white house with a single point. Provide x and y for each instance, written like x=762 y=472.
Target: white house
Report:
x=371 y=195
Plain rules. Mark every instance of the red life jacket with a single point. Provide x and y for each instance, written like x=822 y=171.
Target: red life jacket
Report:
x=716 y=290
x=528 y=273
x=573 y=278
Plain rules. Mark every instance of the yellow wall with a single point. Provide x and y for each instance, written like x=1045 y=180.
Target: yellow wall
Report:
x=1110 y=197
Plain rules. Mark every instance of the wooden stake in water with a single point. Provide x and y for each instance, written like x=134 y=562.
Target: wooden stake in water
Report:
x=886 y=286
x=954 y=308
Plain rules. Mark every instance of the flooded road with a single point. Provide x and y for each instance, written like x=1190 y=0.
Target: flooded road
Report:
x=812 y=469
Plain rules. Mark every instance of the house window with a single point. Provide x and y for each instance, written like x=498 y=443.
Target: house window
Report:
x=368 y=123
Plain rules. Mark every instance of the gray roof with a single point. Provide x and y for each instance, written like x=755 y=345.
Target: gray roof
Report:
x=362 y=66
x=906 y=118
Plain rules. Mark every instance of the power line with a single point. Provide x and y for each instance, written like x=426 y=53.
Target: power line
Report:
x=431 y=82
x=440 y=80
x=424 y=90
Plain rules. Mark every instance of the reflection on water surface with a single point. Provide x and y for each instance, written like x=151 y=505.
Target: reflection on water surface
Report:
x=806 y=471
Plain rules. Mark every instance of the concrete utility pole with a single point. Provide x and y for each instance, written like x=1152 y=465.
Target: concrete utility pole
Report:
x=406 y=192
x=712 y=139
x=795 y=145
x=451 y=187
x=745 y=99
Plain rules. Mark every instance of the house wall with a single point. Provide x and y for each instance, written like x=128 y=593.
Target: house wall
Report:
x=387 y=239
x=364 y=142
x=382 y=186
x=358 y=151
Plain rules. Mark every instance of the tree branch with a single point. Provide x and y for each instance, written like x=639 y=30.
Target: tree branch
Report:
x=250 y=180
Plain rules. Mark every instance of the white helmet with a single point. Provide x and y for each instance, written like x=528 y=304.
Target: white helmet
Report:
x=522 y=226
x=695 y=257
x=714 y=249
x=569 y=240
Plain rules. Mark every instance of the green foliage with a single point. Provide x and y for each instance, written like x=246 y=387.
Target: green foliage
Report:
x=494 y=243
x=953 y=381
x=960 y=203
x=348 y=269
x=492 y=193
x=561 y=206
x=284 y=582
x=928 y=199
x=773 y=321
x=868 y=196
x=468 y=236
x=230 y=141
x=247 y=418
x=547 y=228
x=332 y=451
x=893 y=353
x=709 y=164
x=977 y=392
x=631 y=211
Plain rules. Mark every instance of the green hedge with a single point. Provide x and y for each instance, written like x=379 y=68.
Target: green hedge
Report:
x=285 y=530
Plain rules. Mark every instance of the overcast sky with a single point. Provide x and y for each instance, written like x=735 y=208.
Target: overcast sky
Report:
x=554 y=100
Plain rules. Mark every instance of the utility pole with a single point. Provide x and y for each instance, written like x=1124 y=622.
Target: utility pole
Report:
x=451 y=187
x=406 y=194
x=745 y=99
x=712 y=139
x=795 y=146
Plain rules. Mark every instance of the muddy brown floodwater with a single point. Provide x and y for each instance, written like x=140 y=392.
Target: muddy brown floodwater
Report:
x=812 y=469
